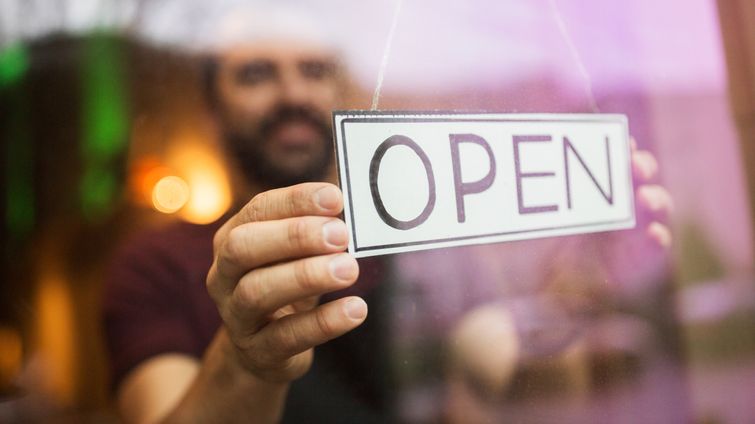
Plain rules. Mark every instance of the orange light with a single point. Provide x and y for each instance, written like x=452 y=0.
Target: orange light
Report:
x=208 y=200
x=203 y=170
x=55 y=345
x=170 y=194
x=11 y=353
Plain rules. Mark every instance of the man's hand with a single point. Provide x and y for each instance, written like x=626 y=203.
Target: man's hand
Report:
x=272 y=261
x=639 y=259
x=654 y=202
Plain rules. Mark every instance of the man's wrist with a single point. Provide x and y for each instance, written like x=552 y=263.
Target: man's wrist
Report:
x=235 y=372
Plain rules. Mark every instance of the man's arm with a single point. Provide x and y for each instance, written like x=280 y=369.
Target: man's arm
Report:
x=179 y=388
x=155 y=387
x=272 y=261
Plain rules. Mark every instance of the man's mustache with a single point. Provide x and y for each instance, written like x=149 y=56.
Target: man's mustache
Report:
x=288 y=113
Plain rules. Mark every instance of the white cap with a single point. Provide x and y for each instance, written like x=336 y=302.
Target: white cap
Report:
x=226 y=23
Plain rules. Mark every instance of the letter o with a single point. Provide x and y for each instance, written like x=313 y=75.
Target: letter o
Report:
x=377 y=158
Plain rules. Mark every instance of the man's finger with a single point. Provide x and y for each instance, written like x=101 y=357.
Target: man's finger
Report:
x=265 y=290
x=296 y=333
x=654 y=201
x=316 y=199
x=255 y=244
x=660 y=234
x=644 y=165
x=299 y=200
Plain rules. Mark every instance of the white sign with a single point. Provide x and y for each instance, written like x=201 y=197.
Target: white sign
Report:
x=415 y=180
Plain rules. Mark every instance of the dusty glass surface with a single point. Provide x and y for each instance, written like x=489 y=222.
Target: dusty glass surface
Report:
x=108 y=129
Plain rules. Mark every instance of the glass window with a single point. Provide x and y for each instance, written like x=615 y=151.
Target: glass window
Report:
x=121 y=119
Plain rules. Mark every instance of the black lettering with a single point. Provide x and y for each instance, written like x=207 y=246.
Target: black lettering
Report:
x=377 y=158
x=608 y=196
x=520 y=175
x=464 y=188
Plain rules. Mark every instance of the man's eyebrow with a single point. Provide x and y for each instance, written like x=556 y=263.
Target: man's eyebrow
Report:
x=317 y=59
x=254 y=62
x=254 y=69
x=327 y=64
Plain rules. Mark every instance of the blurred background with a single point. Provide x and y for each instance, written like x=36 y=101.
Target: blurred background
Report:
x=104 y=133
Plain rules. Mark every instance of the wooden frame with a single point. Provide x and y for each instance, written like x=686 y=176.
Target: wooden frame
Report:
x=737 y=18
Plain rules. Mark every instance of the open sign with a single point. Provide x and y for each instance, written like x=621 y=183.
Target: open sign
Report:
x=415 y=181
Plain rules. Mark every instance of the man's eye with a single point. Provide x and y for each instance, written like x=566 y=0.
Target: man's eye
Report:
x=316 y=70
x=255 y=73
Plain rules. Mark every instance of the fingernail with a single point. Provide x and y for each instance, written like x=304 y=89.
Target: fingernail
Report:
x=355 y=308
x=334 y=233
x=649 y=198
x=660 y=234
x=644 y=170
x=343 y=267
x=328 y=198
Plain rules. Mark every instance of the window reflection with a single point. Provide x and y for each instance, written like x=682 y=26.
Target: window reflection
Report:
x=108 y=132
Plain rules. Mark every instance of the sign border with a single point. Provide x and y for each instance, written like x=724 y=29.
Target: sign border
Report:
x=398 y=116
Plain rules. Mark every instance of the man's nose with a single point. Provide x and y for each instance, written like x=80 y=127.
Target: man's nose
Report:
x=294 y=88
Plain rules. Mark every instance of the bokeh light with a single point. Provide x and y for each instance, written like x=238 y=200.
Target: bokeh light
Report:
x=203 y=169
x=55 y=345
x=11 y=352
x=170 y=194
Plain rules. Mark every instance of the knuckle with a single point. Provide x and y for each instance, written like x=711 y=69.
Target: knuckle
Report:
x=256 y=209
x=217 y=240
x=300 y=198
x=211 y=283
x=267 y=362
x=286 y=339
x=298 y=234
x=249 y=294
x=231 y=322
x=251 y=350
x=305 y=275
x=323 y=324
x=236 y=244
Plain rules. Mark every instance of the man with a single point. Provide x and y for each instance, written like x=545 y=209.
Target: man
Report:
x=183 y=356
x=273 y=103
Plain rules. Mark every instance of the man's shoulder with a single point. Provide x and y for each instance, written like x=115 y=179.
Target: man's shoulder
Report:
x=171 y=233
x=163 y=255
x=175 y=238
x=154 y=299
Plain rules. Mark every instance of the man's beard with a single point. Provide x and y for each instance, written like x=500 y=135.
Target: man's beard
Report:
x=252 y=154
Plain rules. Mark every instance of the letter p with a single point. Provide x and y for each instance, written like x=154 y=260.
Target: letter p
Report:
x=464 y=188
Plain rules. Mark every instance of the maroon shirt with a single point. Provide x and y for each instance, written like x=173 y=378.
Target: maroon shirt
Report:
x=156 y=302
x=155 y=298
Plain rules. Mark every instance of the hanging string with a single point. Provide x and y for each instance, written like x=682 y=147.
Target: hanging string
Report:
x=386 y=54
x=560 y=24
x=557 y=17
